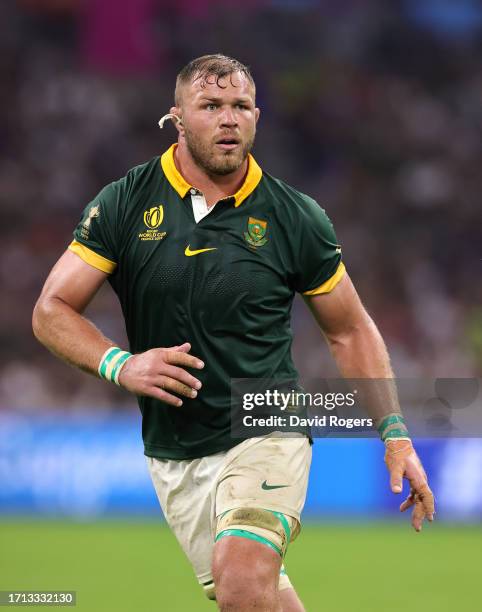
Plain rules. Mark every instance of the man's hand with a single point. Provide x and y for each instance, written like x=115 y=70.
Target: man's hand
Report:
x=402 y=461
x=156 y=372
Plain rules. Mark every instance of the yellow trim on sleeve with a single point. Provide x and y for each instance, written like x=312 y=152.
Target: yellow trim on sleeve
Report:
x=331 y=283
x=253 y=177
x=92 y=258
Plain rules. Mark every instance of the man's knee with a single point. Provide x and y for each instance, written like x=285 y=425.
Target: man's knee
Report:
x=250 y=545
x=246 y=573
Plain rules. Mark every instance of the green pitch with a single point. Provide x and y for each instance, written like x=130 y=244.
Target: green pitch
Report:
x=127 y=567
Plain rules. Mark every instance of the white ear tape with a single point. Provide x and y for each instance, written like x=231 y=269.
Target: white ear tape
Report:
x=175 y=118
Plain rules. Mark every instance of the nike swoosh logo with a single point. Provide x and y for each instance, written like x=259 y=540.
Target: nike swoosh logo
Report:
x=189 y=253
x=268 y=487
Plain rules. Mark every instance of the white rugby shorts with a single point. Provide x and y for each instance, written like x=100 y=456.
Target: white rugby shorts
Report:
x=269 y=472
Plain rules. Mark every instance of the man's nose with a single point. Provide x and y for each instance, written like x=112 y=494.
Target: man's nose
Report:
x=228 y=117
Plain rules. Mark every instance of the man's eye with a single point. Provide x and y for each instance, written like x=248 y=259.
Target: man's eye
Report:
x=211 y=107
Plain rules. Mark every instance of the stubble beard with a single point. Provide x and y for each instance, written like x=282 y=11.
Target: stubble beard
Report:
x=220 y=164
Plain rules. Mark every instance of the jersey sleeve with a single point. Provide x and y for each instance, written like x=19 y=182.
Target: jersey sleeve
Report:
x=319 y=267
x=95 y=237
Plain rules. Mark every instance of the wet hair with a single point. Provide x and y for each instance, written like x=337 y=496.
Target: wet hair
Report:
x=210 y=69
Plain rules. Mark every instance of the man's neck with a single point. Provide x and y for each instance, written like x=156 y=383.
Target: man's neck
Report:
x=214 y=187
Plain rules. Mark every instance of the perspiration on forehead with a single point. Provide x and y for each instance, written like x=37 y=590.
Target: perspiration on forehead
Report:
x=215 y=69
x=211 y=81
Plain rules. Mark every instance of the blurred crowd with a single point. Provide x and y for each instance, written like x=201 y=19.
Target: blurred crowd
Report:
x=372 y=108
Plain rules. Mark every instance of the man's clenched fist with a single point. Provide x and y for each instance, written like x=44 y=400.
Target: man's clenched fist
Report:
x=402 y=461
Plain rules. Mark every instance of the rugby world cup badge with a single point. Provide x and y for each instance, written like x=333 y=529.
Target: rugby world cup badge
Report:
x=153 y=217
x=256 y=234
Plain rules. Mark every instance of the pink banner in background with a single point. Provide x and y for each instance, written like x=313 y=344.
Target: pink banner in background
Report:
x=117 y=36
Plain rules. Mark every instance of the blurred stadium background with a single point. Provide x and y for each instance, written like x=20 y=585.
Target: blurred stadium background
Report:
x=373 y=108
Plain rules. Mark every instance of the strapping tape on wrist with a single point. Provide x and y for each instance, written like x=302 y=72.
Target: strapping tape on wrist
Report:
x=112 y=362
x=393 y=427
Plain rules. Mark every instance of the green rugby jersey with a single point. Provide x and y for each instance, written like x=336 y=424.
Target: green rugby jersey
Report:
x=225 y=284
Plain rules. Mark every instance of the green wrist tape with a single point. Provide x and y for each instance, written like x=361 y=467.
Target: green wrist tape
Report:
x=391 y=419
x=395 y=434
x=112 y=362
x=393 y=427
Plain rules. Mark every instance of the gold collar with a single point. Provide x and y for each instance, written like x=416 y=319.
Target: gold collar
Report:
x=182 y=187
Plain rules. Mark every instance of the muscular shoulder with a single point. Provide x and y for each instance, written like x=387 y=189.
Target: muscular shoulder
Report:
x=101 y=225
x=287 y=200
x=310 y=239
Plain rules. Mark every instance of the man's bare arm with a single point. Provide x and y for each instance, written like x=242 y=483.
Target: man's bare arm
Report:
x=360 y=353
x=58 y=324
x=357 y=347
x=57 y=321
x=353 y=338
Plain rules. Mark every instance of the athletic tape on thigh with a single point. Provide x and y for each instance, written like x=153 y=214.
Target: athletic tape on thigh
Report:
x=273 y=529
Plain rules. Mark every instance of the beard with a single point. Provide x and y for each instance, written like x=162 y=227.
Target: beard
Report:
x=215 y=162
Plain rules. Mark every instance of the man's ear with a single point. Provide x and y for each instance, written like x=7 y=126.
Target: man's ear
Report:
x=176 y=111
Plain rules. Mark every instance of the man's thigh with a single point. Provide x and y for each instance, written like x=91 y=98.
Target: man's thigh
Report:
x=260 y=496
x=269 y=473
x=262 y=491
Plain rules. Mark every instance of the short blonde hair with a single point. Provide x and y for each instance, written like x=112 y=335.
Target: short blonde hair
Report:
x=215 y=65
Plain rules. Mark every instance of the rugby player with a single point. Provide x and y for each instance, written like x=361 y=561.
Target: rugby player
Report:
x=205 y=252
